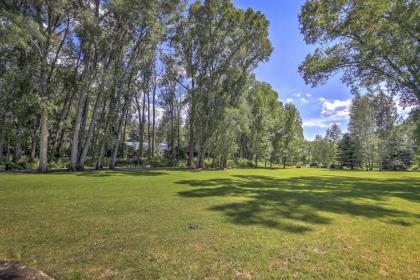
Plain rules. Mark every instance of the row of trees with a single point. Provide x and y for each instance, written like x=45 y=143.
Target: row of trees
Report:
x=80 y=78
x=377 y=138
x=322 y=151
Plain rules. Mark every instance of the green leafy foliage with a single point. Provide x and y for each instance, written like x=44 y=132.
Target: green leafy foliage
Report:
x=372 y=42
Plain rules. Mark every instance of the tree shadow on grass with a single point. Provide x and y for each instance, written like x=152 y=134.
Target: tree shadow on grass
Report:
x=293 y=204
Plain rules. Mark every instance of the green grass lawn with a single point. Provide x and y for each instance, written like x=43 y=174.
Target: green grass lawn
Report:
x=233 y=224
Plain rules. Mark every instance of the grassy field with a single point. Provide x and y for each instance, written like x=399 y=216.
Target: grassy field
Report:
x=233 y=224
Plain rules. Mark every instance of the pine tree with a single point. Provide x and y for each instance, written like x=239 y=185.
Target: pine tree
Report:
x=348 y=154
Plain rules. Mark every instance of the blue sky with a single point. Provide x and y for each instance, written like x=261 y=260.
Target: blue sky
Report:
x=319 y=107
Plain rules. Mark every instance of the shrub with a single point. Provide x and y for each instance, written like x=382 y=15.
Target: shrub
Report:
x=122 y=162
x=61 y=164
x=242 y=163
x=9 y=165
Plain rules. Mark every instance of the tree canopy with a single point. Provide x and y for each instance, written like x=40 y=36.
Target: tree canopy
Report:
x=374 y=43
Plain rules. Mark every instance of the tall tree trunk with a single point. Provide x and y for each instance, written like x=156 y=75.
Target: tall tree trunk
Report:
x=83 y=125
x=123 y=136
x=119 y=130
x=1 y=146
x=18 y=143
x=191 y=128
x=100 y=162
x=153 y=118
x=93 y=122
x=60 y=150
x=143 y=120
x=198 y=161
x=46 y=73
x=89 y=137
x=34 y=136
x=2 y=138
x=108 y=115
x=148 y=126
x=93 y=145
x=8 y=148
x=121 y=120
x=43 y=139
x=172 y=132
x=43 y=142
x=59 y=131
x=200 y=156
x=179 y=130
x=201 y=159
x=79 y=113
x=140 y=148
x=102 y=139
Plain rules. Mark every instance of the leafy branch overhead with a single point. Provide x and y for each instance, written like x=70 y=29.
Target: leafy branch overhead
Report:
x=372 y=43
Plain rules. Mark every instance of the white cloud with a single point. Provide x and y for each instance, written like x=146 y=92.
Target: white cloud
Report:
x=303 y=99
x=332 y=111
x=319 y=122
x=308 y=95
x=289 y=100
x=335 y=109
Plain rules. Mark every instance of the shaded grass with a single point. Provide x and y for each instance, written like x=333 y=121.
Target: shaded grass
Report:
x=233 y=224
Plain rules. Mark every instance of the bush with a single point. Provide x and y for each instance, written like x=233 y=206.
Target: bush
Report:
x=61 y=164
x=9 y=165
x=157 y=162
x=122 y=162
x=242 y=163
x=153 y=163
x=181 y=163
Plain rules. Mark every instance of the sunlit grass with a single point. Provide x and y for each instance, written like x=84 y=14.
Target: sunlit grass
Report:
x=233 y=224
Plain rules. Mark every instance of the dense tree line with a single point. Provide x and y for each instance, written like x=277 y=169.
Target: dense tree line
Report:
x=377 y=138
x=81 y=78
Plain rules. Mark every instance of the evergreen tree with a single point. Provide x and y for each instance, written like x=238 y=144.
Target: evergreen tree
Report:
x=348 y=152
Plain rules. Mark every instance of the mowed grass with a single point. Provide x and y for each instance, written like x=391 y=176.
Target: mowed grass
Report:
x=232 y=224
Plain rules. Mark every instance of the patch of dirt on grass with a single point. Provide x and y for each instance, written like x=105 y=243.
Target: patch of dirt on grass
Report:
x=108 y=274
x=383 y=269
x=243 y=275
